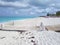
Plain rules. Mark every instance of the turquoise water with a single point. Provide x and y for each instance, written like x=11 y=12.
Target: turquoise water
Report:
x=4 y=19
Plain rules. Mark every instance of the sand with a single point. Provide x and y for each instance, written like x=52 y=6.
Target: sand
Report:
x=26 y=24
x=35 y=33
x=30 y=24
x=54 y=28
x=29 y=38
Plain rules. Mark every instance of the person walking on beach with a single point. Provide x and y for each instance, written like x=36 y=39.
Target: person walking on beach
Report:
x=1 y=26
x=42 y=27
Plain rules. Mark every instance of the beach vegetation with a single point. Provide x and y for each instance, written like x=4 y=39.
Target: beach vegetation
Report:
x=56 y=14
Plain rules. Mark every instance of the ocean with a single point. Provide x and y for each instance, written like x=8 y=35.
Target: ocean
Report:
x=9 y=18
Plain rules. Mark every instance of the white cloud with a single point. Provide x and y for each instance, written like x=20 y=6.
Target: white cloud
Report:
x=44 y=1
x=13 y=4
x=56 y=5
x=32 y=13
x=38 y=6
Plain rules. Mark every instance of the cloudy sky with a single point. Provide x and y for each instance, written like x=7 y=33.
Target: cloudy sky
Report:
x=28 y=7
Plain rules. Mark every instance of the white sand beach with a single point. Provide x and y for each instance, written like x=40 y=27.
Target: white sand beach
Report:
x=35 y=32
x=29 y=38
x=31 y=24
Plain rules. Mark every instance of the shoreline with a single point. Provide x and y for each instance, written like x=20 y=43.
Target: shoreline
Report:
x=17 y=19
x=30 y=24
